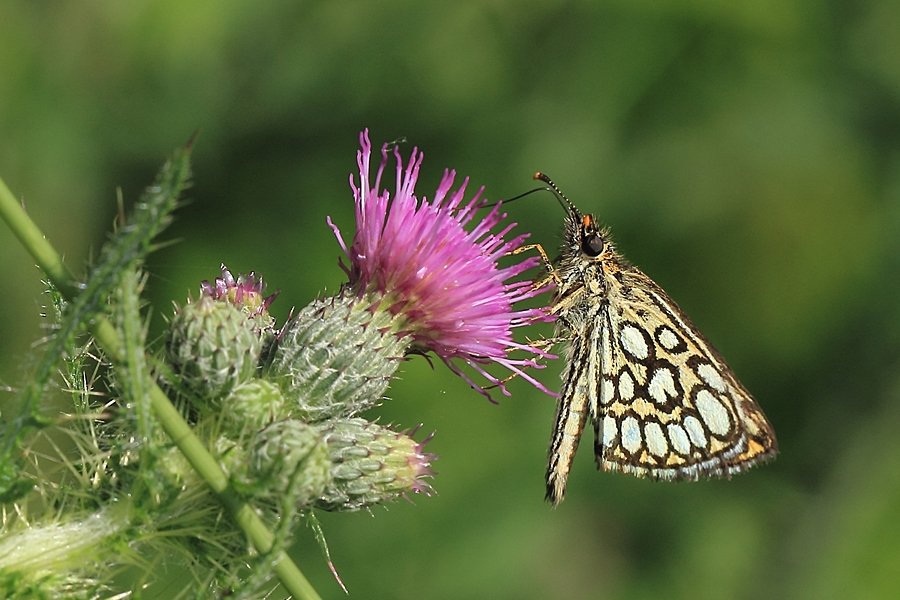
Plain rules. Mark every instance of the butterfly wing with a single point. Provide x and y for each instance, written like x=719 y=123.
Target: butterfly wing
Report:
x=577 y=400
x=666 y=405
x=662 y=401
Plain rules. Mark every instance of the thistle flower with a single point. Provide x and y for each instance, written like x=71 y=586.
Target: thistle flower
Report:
x=245 y=292
x=372 y=464
x=216 y=342
x=441 y=281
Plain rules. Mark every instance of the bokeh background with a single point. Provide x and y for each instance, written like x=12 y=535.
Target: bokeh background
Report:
x=745 y=154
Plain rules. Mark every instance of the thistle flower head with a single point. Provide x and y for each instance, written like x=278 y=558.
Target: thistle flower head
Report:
x=246 y=291
x=435 y=264
x=373 y=464
x=216 y=342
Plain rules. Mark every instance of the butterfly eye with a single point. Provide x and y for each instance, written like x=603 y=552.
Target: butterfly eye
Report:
x=592 y=245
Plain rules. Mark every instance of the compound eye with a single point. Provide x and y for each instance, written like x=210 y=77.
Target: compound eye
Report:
x=592 y=245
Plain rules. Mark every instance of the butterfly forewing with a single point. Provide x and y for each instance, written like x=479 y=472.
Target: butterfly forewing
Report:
x=662 y=401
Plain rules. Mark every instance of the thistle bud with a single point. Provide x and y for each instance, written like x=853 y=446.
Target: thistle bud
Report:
x=372 y=464
x=289 y=456
x=215 y=343
x=336 y=357
x=212 y=346
x=245 y=292
x=253 y=405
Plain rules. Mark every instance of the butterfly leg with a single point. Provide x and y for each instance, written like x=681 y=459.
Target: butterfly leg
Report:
x=543 y=344
x=552 y=275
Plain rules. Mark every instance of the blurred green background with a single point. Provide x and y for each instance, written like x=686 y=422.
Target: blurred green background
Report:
x=746 y=156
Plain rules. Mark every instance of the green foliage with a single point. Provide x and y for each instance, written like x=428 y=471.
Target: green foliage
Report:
x=119 y=256
x=68 y=530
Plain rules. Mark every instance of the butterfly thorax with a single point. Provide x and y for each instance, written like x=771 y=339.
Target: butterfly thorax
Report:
x=590 y=271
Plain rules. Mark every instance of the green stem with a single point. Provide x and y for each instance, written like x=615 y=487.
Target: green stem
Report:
x=174 y=425
x=34 y=241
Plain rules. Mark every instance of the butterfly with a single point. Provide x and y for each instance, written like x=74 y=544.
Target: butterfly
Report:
x=662 y=401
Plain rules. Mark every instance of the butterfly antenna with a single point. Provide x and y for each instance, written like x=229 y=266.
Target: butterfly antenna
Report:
x=508 y=200
x=563 y=201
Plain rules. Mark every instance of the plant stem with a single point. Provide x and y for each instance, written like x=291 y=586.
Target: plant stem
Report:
x=34 y=241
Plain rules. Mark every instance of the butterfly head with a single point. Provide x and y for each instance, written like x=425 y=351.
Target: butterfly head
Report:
x=584 y=236
x=593 y=240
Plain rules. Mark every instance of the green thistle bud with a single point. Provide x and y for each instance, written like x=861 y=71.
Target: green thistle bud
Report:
x=213 y=346
x=254 y=404
x=372 y=464
x=336 y=357
x=215 y=343
x=289 y=456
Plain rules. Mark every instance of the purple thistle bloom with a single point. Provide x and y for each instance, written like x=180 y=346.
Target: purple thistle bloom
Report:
x=442 y=279
x=246 y=291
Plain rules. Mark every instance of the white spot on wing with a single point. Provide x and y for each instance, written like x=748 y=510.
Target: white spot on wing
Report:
x=713 y=413
x=662 y=385
x=667 y=338
x=633 y=342
x=656 y=441
x=609 y=430
x=695 y=431
x=711 y=376
x=607 y=391
x=631 y=435
x=626 y=386
x=679 y=438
